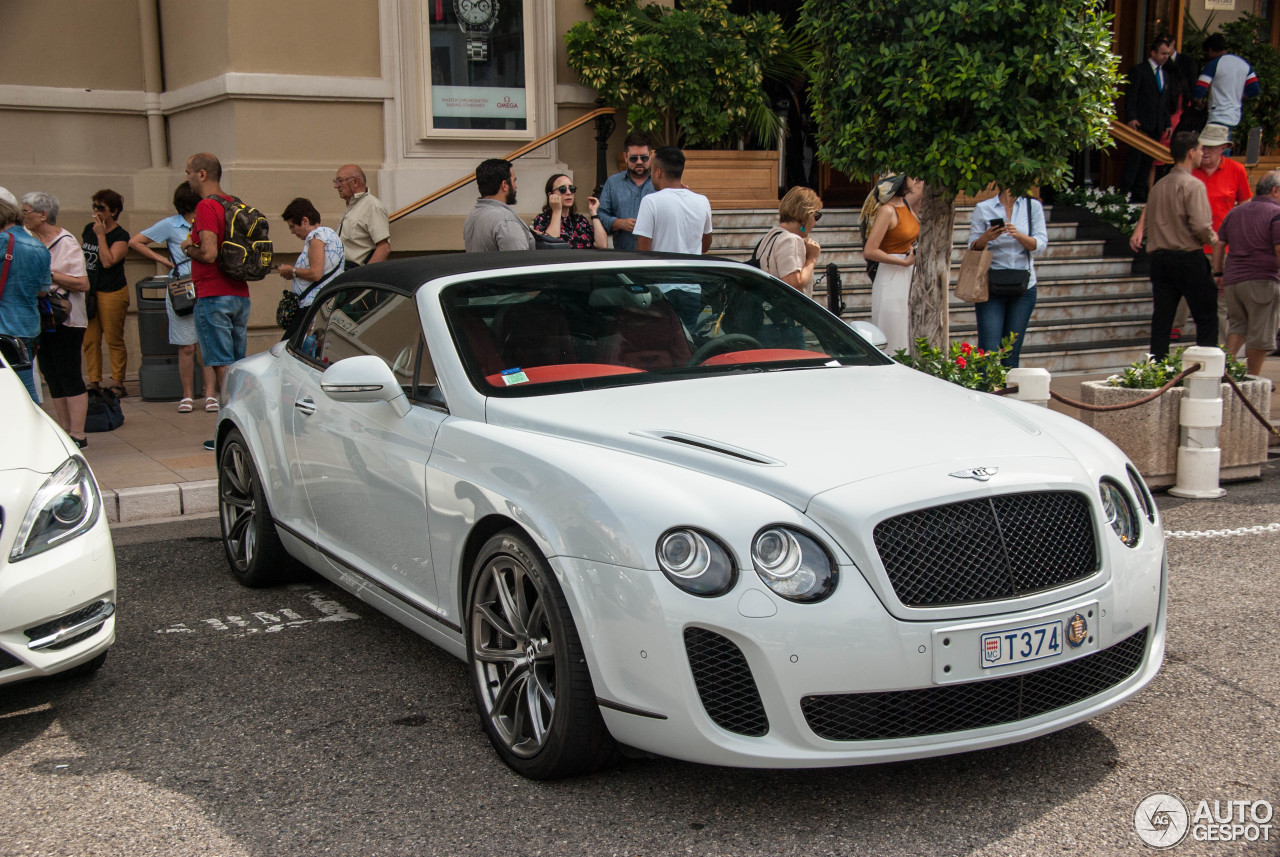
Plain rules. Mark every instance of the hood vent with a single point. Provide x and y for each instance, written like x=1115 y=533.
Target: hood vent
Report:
x=708 y=445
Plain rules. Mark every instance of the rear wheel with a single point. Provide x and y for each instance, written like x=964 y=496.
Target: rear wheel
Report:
x=528 y=671
x=249 y=537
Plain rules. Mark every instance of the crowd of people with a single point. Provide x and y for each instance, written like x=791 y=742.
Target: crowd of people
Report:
x=88 y=278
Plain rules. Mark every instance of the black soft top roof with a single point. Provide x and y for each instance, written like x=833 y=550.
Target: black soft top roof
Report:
x=409 y=274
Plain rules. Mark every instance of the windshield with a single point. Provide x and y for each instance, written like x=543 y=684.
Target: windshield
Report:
x=558 y=330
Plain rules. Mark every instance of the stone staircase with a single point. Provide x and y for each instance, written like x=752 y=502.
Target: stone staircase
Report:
x=1093 y=310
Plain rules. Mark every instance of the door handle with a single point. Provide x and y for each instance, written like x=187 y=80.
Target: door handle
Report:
x=307 y=405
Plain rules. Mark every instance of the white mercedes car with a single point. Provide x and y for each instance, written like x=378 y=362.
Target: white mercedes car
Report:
x=57 y=563
x=669 y=504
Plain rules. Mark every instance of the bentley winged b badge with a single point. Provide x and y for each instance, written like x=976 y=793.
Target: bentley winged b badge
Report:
x=982 y=474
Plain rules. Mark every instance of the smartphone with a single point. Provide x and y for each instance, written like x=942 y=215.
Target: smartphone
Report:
x=999 y=221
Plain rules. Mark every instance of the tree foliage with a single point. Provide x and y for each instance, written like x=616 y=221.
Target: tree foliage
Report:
x=960 y=92
x=693 y=77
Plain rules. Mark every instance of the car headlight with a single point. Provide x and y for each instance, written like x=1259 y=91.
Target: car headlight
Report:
x=793 y=564
x=66 y=505
x=1143 y=493
x=695 y=562
x=1119 y=512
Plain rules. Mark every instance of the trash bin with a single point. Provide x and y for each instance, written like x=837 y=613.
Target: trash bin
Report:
x=158 y=376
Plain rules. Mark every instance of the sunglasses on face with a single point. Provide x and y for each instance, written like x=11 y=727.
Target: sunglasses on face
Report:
x=97 y=206
x=817 y=215
x=566 y=188
x=638 y=159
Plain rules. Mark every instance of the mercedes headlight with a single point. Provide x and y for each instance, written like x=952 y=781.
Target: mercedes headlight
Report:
x=695 y=562
x=793 y=564
x=1119 y=512
x=64 y=507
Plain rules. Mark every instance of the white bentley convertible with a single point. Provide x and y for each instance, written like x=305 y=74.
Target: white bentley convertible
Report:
x=671 y=504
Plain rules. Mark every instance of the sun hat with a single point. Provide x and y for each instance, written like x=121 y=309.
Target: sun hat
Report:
x=8 y=197
x=1215 y=135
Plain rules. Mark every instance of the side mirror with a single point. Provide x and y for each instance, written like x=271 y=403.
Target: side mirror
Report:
x=15 y=352
x=870 y=333
x=366 y=378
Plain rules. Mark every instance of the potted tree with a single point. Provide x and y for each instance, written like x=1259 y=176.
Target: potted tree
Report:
x=693 y=78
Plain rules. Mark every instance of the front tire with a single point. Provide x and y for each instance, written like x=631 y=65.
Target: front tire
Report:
x=249 y=536
x=528 y=671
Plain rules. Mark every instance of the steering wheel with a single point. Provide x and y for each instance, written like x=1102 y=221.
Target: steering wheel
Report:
x=723 y=345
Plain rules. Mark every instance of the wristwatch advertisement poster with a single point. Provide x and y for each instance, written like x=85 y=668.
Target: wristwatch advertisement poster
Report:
x=477 y=64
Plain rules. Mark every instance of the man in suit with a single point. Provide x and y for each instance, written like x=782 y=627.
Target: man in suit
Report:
x=1149 y=102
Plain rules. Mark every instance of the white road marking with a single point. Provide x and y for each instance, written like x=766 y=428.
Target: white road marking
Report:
x=271 y=622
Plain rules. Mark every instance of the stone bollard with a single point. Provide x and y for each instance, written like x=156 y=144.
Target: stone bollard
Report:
x=1032 y=384
x=1199 y=455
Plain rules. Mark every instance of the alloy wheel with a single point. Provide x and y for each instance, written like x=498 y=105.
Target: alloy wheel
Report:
x=237 y=506
x=514 y=654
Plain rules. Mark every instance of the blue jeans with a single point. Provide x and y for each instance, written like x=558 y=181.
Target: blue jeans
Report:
x=998 y=317
x=222 y=324
x=28 y=375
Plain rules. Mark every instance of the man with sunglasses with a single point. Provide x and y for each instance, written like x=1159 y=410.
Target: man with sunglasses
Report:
x=620 y=198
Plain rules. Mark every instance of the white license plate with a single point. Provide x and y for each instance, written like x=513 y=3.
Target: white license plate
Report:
x=1019 y=645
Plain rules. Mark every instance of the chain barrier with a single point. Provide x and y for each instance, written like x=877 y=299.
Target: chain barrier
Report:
x=1213 y=534
x=1248 y=404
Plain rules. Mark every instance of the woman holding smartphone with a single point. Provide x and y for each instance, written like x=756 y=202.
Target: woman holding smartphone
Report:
x=1014 y=230
x=891 y=244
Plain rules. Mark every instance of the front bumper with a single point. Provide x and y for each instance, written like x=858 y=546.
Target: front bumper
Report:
x=634 y=627
x=57 y=607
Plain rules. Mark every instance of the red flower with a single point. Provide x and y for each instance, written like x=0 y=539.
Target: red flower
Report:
x=966 y=348
x=960 y=361
x=981 y=353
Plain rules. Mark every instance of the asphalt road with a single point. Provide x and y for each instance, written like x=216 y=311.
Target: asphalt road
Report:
x=297 y=721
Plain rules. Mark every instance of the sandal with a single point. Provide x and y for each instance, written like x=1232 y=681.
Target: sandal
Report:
x=118 y=391
x=211 y=404
x=184 y=407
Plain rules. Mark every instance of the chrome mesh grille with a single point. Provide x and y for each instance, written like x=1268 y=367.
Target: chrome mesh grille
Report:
x=725 y=684
x=988 y=549
x=52 y=627
x=956 y=707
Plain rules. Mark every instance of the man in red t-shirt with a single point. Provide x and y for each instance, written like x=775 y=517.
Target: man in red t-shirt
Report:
x=222 y=304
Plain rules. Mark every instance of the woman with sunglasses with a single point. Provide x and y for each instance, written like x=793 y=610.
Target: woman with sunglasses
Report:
x=560 y=217
x=788 y=250
x=105 y=244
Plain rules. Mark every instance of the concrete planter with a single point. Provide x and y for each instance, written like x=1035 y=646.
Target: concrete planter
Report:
x=1148 y=433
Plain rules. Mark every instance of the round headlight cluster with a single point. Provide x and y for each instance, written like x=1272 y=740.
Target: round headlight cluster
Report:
x=793 y=565
x=695 y=562
x=1119 y=512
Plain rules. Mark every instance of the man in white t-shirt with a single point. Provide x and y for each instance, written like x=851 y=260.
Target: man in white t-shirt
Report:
x=674 y=219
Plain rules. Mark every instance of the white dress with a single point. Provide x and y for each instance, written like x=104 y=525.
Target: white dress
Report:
x=890 y=304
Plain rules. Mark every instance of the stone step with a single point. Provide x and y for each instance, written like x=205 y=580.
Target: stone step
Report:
x=850 y=255
x=762 y=219
x=1084 y=331
x=729 y=237
x=1053 y=311
x=1085 y=359
x=1079 y=288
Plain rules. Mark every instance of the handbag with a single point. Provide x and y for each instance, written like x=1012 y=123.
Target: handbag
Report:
x=290 y=302
x=1011 y=283
x=971 y=286
x=182 y=295
x=103 y=412
x=54 y=310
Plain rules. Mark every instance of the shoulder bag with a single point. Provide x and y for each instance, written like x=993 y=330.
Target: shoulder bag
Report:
x=1011 y=283
x=290 y=302
x=182 y=295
